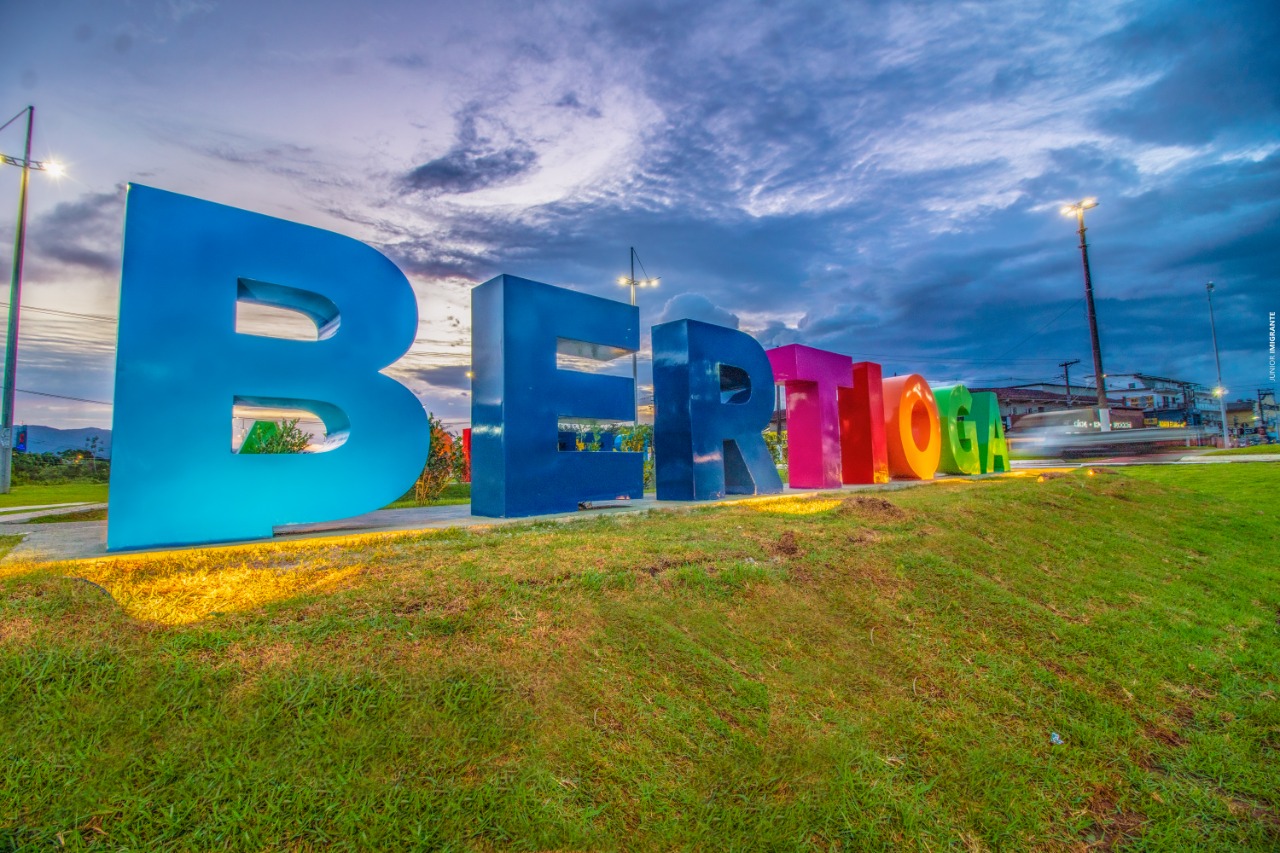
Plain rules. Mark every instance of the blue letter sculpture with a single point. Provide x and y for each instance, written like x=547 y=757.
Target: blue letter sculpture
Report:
x=713 y=390
x=181 y=363
x=519 y=396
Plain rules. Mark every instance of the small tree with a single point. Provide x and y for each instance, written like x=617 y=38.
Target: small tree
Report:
x=777 y=445
x=461 y=464
x=94 y=444
x=440 y=465
x=639 y=439
x=279 y=437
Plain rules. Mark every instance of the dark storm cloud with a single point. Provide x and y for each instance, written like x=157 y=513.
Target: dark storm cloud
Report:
x=84 y=233
x=802 y=120
x=1216 y=66
x=477 y=160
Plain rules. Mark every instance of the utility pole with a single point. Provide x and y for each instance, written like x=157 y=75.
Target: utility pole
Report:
x=15 y=302
x=1066 y=374
x=1262 y=411
x=1100 y=377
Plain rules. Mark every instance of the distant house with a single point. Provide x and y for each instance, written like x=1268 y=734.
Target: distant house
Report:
x=1018 y=401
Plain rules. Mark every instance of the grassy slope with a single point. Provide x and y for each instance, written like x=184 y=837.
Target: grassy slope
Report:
x=38 y=495
x=1254 y=450
x=797 y=674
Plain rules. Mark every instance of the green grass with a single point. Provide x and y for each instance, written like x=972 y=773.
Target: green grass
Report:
x=82 y=515
x=1254 y=450
x=860 y=672
x=7 y=541
x=59 y=493
x=454 y=493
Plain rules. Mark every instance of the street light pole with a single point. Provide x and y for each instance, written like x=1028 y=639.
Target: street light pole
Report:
x=15 y=302
x=1099 y=377
x=633 y=283
x=1219 y=391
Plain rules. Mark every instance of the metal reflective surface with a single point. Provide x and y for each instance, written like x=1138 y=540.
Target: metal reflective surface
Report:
x=813 y=379
x=180 y=361
x=864 y=452
x=911 y=427
x=519 y=395
x=993 y=449
x=959 y=433
x=713 y=396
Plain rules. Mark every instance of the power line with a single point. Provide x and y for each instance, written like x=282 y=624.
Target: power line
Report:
x=63 y=397
x=59 y=311
x=1042 y=328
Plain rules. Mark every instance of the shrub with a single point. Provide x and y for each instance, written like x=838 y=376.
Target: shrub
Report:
x=441 y=464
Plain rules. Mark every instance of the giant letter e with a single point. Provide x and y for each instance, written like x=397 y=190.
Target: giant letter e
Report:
x=519 y=328
x=181 y=367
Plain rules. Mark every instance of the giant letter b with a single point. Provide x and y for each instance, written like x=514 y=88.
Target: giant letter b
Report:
x=181 y=367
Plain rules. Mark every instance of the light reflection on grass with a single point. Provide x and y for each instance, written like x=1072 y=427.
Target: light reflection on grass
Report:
x=795 y=506
x=186 y=586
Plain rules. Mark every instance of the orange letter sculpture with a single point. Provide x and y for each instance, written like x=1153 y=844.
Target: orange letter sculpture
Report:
x=911 y=427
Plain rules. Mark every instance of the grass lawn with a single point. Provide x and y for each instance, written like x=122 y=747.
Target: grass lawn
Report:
x=82 y=515
x=1255 y=450
x=58 y=493
x=454 y=493
x=847 y=672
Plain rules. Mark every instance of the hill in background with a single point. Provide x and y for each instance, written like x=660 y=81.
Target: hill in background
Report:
x=43 y=439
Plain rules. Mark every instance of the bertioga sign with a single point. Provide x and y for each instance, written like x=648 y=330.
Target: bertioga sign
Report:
x=181 y=360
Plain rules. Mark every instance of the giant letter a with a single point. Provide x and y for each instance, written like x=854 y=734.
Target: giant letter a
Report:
x=181 y=368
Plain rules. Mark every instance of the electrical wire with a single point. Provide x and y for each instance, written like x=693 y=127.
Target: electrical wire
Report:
x=1038 y=331
x=59 y=311
x=62 y=396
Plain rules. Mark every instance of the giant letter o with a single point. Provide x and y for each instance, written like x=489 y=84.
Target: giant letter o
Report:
x=911 y=427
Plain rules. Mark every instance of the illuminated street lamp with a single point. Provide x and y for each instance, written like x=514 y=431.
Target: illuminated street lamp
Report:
x=1078 y=210
x=1219 y=392
x=633 y=283
x=15 y=295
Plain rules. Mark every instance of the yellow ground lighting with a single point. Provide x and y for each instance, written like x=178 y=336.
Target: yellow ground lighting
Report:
x=795 y=506
x=186 y=586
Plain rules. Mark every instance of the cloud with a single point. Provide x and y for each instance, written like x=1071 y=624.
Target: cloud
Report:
x=480 y=158
x=450 y=376
x=84 y=233
x=695 y=306
x=1214 y=68
x=878 y=179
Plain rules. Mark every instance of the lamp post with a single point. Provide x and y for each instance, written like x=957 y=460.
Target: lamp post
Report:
x=15 y=295
x=632 y=282
x=1219 y=392
x=1078 y=210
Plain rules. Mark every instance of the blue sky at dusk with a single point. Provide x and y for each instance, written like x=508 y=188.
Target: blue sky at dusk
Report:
x=879 y=179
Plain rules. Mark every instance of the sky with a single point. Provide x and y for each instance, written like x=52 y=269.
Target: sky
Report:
x=880 y=179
